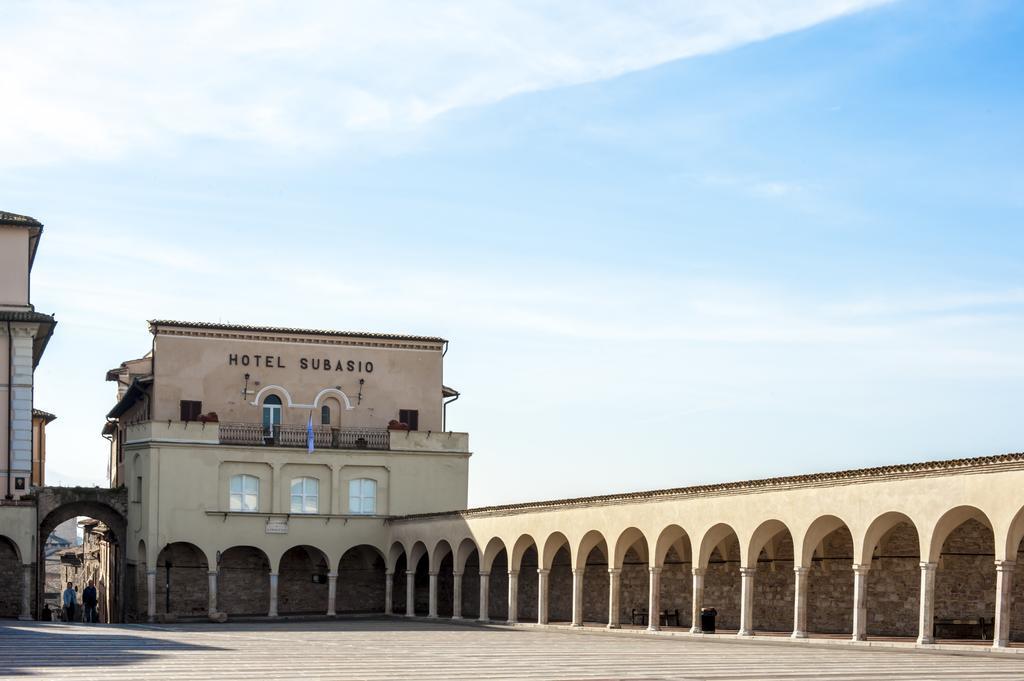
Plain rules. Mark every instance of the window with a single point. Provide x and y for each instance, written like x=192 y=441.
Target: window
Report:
x=190 y=409
x=245 y=493
x=325 y=415
x=362 y=496
x=271 y=413
x=138 y=488
x=305 y=495
x=410 y=417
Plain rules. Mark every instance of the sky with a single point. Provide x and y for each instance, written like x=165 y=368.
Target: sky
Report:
x=670 y=243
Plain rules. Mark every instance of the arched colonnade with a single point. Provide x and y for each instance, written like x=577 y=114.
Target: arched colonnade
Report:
x=803 y=560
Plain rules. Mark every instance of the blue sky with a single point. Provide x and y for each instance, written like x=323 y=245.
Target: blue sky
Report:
x=672 y=245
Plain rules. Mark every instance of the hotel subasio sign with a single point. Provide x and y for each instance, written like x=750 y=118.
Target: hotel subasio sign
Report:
x=304 y=363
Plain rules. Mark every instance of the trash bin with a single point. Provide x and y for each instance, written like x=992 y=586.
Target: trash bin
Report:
x=707 y=620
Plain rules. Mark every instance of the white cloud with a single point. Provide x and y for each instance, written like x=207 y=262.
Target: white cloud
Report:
x=104 y=80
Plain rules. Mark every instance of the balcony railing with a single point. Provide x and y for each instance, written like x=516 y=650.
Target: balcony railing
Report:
x=324 y=437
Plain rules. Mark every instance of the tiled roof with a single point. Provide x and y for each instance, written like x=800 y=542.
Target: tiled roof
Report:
x=20 y=220
x=154 y=323
x=45 y=415
x=853 y=475
x=24 y=316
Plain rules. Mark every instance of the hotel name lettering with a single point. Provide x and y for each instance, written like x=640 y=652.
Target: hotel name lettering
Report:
x=305 y=363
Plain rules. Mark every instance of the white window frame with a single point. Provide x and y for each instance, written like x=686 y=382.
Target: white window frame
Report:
x=240 y=500
x=308 y=495
x=362 y=496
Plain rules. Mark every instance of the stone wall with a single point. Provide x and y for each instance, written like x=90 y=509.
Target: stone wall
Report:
x=471 y=587
x=297 y=592
x=11 y=583
x=595 y=588
x=894 y=584
x=722 y=584
x=830 y=585
x=189 y=581
x=360 y=581
x=560 y=588
x=677 y=587
x=243 y=586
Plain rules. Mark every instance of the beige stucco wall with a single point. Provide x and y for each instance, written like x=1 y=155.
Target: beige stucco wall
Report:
x=210 y=367
x=14 y=242
x=185 y=475
x=935 y=503
x=18 y=523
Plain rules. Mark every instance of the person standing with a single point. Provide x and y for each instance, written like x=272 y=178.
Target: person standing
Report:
x=89 y=603
x=70 y=603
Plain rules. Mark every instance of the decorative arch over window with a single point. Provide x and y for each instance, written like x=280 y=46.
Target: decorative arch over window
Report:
x=271 y=413
x=305 y=495
x=244 y=494
x=362 y=496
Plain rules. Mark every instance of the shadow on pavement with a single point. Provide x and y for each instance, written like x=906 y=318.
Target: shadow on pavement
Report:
x=28 y=647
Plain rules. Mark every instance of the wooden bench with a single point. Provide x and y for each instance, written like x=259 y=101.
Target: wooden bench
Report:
x=963 y=628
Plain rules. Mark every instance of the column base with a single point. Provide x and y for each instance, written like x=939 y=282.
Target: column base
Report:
x=484 y=620
x=614 y=626
x=331 y=613
x=744 y=632
x=653 y=627
x=696 y=630
x=799 y=634
x=456 y=617
x=925 y=640
x=25 y=618
x=1000 y=643
x=576 y=625
x=859 y=637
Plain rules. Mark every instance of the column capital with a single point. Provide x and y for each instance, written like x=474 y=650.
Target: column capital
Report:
x=273 y=574
x=543 y=571
x=485 y=573
x=433 y=573
x=332 y=575
x=699 y=572
x=578 y=571
x=654 y=570
x=151 y=572
x=513 y=573
x=801 y=570
x=862 y=569
x=928 y=567
x=744 y=571
x=410 y=573
x=389 y=573
x=614 y=571
x=213 y=573
x=1005 y=565
x=456 y=573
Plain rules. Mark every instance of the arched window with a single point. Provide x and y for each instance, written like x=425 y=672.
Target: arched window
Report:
x=362 y=496
x=245 y=493
x=325 y=415
x=305 y=495
x=271 y=413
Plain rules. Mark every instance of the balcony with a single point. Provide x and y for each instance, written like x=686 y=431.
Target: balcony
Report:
x=324 y=437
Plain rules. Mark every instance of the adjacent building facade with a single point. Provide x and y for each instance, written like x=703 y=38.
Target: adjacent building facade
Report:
x=24 y=334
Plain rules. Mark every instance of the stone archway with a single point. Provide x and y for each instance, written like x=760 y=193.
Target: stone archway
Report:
x=110 y=506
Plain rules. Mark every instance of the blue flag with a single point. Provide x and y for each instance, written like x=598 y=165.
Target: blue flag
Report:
x=309 y=433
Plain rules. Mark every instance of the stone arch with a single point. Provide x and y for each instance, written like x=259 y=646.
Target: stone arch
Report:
x=397 y=566
x=297 y=592
x=672 y=537
x=466 y=549
x=182 y=580
x=524 y=560
x=1008 y=543
x=590 y=541
x=591 y=564
x=396 y=552
x=770 y=553
x=421 y=578
x=11 y=567
x=56 y=505
x=630 y=538
x=949 y=521
x=467 y=562
x=712 y=539
x=442 y=566
x=361 y=580
x=495 y=562
x=555 y=542
x=416 y=553
x=826 y=553
x=493 y=547
x=879 y=527
x=244 y=581
x=441 y=549
x=891 y=548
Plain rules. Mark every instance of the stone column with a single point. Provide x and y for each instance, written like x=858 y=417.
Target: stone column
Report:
x=698 y=599
x=273 y=595
x=513 y=596
x=926 y=622
x=432 y=598
x=860 y=602
x=800 y=602
x=151 y=595
x=746 y=601
x=654 y=599
x=26 y=595
x=1004 y=602
x=332 y=592
x=613 y=597
x=577 y=597
x=485 y=590
x=211 y=592
x=389 y=593
x=456 y=595
x=410 y=593
x=542 y=595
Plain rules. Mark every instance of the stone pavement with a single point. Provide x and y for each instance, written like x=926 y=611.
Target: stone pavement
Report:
x=378 y=648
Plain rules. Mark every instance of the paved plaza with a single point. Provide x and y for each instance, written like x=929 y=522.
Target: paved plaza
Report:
x=396 y=649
